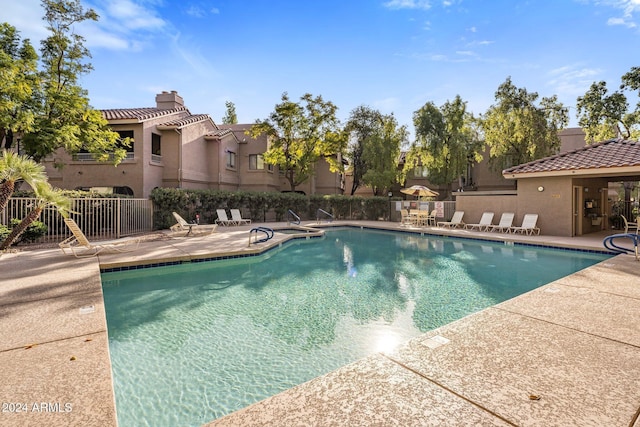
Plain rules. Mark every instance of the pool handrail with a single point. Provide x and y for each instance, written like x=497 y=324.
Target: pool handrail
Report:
x=290 y=214
x=266 y=230
x=607 y=242
x=327 y=214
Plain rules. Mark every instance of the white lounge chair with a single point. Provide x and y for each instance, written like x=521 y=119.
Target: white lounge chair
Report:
x=223 y=219
x=505 y=224
x=456 y=221
x=629 y=226
x=528 y=225
x=483 y=225
x=237 y=217
x=79 y=246
x=192 y=228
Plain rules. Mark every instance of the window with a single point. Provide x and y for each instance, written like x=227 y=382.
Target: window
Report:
x=231 y=159
x=84 y=155
x=256 y=162
x=126 y=134
x=420 y=172
x=156 y=148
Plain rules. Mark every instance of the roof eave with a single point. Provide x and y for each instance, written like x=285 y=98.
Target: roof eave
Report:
x=625 y=170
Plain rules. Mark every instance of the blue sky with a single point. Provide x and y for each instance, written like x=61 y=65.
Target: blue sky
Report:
x=392 y=55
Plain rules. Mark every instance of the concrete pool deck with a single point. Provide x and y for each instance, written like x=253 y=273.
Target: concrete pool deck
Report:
x=567 y=353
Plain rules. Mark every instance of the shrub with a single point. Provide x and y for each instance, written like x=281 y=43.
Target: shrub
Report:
x=34 y=231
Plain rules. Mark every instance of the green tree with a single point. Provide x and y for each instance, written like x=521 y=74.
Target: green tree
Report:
x=230 y=117
x=300 y=134
x=603 y=115
x=19 y=84
x=14 y=168
x=363 y=124
x=517 y=130
x=446 y=141
x=45 y=196
x=381 y=153
x=64 y=117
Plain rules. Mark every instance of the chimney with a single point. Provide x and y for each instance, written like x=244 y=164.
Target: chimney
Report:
x=168 y=100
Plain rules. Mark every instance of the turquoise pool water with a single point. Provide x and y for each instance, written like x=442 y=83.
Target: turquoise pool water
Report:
x=194 y=342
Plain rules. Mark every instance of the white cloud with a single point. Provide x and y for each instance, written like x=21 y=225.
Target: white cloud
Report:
x=134 y=16
x=628 y=7
x=408 y=4
x=572 y=80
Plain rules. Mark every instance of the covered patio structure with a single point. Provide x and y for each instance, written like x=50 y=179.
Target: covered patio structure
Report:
x=574 y=193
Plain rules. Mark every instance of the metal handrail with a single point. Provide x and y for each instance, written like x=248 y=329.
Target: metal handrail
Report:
x=290 y=214
x=267 y=231
x=322 y=211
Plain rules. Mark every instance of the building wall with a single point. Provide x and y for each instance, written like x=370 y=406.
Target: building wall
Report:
x=475 y=203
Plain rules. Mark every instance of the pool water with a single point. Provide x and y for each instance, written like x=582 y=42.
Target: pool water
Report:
x=193 y=342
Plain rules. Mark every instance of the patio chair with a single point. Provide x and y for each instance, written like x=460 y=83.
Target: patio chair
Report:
x=528 y=225
x=192 y=228
x=223 y=219
x=483 y=225
x=505 y=224
x=633 y=226
x=79 y=246
x=431 y=219
x=456 y=221
x=406 y=217
x=237 y=217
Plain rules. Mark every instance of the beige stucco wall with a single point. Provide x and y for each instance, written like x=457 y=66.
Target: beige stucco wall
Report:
x=475 y=203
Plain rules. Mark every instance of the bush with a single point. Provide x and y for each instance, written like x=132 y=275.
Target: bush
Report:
x=34 y=231
x=189 y=203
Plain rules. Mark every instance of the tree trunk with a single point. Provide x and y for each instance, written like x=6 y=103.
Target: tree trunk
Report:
x=20 y=228
x=6 y=190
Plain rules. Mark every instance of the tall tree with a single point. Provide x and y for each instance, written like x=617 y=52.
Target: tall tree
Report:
x=381 y=153
x=364 y=123
x=19 y=84
x=65 y=119
x=517 y=130
x=300 y=134
x=445 y=141
x=230 y=116
x=603 y=115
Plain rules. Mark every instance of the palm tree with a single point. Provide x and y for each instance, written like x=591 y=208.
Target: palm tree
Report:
x=15 y=167
x=45 y=196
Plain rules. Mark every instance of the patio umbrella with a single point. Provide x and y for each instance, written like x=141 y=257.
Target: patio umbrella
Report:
x=419 y=191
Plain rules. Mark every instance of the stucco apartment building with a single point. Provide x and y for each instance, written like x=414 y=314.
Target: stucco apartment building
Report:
x=177 y=149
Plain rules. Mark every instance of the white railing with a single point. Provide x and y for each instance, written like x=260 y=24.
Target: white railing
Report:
x=98 y=218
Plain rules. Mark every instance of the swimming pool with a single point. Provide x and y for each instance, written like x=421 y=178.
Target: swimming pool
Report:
x=194 y=342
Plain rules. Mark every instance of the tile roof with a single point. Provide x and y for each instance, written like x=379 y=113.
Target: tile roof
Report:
x=219 y=133
x=187 y=120
x=140 y=114
x=614 y=153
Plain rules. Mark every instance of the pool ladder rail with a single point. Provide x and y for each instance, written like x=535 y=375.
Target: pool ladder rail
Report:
x=320 y=212
x=291 y=214
x=268 y=234
x=607 y=242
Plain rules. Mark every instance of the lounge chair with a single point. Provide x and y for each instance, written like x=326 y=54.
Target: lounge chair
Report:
x=192 y=228
x=79 y=246
x=528 y=225
x=223 y=219
x=483 y=225
x=237 y=217
x=431 y=219
x=456 y=221
x=633 y=226
x=505 y=224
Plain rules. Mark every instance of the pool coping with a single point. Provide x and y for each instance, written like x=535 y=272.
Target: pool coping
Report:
x=38 y=355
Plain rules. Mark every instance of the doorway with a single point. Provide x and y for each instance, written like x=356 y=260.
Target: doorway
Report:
x=577 y=210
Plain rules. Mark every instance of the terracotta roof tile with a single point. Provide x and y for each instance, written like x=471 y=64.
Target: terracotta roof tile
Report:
x=219 y=133
x=187 y=120
x=140 y=114
x=607 y=154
